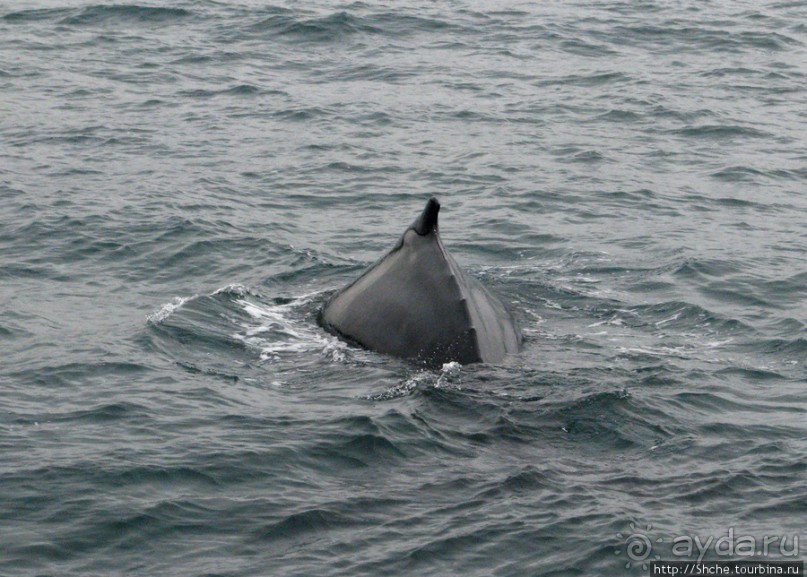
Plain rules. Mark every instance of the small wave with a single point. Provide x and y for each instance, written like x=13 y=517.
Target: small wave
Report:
x=279 y=329
x=297 y=114
x=707 y=490
x=235 y=317
x=125 y=13
x=449 y=376
x=105 y=412
x=238 y=90
x=365 y=449
x=587 y=80
x=35 y=15
x=767 y=40
x=235 y=289
x=78 y=372
x=720 y=131
x=587 y=157
x=754 y=175
x=587 y=48
x=619 y=116
x=168 y=309
x=614 y=416
x=524 y=480
x=321 y=29
x=738 y=174
x=650 y=352
x=751 y=373
x=702 y=268
x=796 y=347
x=730 y=71
x=686 y=316
x=312 y=521
x=698 y=38
x=288 y=24
x=399 y=24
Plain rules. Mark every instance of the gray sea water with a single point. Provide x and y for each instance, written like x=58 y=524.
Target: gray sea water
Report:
x=184 y=183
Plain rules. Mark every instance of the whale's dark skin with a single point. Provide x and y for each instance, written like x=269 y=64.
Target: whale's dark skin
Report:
x=416 y=303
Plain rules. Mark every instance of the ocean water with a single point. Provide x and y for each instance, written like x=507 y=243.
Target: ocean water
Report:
x=184 y=183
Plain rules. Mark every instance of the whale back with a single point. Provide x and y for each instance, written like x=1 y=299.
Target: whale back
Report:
x=416 y=303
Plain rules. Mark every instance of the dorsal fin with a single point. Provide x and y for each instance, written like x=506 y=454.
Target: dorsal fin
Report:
x=426 y=223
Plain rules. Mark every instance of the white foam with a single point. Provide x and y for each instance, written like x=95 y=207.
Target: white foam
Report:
x=168 y=309
x=675 y=317
x=236 y=289
x=613 y=321
x=280 y=329
x=449 y=375
x=447 y=378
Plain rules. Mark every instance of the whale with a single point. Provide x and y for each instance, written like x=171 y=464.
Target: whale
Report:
x=416 y=303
